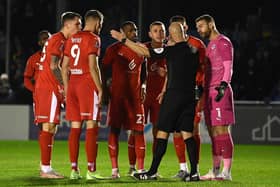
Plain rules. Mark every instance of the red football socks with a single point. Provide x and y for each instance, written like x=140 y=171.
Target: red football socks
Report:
x=74 y=144
x=113 y=147
x=180 y=148
x=91 y=147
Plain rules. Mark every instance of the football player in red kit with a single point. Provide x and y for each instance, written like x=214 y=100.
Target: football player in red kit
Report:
x=126 y=110
x=48 y=89
x=156 y=74
x=82 y=84
x=33 y=65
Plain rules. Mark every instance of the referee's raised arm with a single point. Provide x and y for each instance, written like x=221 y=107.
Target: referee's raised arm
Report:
x=137 y=47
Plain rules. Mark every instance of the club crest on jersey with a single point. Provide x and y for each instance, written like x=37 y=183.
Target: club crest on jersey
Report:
x=154 y=66
x=158 y=50
x=131 y=64
x=96 y=44
x=193 y=49
x=213 y=46
x=61 y=48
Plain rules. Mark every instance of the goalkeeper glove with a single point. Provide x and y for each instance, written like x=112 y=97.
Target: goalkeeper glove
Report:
x=198 y=92
x=221 y=91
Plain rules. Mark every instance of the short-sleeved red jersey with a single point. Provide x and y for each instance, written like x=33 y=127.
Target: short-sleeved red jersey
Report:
x=126 y=69
x=32 y=68
x=78 y=48
x=154 y=81
x=53 y=47
x=195 y=42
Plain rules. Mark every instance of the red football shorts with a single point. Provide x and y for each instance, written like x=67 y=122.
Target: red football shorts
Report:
x=82 y=100
x=47 y=106
x=126 y=114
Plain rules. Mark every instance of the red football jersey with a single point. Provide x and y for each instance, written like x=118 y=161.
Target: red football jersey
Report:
x=32 y=68
x=154 y=82
x=126 y=69
x=202 y=58
x=78 y=48
x=53 y=47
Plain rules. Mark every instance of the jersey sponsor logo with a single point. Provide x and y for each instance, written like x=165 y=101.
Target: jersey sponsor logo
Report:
x=131 y=65
x=76 y=71
x=159 y=50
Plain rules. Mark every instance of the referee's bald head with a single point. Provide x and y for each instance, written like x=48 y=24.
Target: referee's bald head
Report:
x=176 y=32
x=176 y=28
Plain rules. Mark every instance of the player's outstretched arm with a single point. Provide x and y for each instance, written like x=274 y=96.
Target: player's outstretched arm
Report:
x=138 y=48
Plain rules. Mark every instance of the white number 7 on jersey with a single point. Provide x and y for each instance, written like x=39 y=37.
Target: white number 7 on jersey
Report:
x=44 y=52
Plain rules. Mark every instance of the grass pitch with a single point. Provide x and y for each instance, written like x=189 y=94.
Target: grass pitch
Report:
x=253 y=165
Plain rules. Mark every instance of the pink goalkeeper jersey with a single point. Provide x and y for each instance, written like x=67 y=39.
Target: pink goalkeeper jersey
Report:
x=220 y=61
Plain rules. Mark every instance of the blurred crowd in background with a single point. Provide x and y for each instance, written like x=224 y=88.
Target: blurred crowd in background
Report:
x=255 y=38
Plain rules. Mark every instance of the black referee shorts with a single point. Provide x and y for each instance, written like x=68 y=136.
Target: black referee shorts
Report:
x=176 y=112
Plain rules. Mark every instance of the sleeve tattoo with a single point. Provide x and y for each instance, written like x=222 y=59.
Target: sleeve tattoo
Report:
x=56 y=71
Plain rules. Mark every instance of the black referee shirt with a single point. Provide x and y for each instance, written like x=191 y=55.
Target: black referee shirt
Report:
x=182 y=63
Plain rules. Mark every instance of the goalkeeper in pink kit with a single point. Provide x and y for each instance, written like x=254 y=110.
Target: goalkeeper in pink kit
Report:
x=218 y=106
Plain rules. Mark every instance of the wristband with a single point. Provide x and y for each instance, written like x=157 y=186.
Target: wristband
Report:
x=123 y=40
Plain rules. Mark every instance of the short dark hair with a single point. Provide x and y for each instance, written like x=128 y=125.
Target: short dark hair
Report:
x=205 y=17
x=96 y=14
x=155 y=23
x=177 y=18
x=42 y=32
x=66 y=16
x=126 y=23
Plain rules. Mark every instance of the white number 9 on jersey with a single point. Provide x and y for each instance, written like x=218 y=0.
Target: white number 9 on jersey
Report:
x=75 y=53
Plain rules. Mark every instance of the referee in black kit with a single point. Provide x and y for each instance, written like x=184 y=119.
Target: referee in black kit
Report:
x=178 y=104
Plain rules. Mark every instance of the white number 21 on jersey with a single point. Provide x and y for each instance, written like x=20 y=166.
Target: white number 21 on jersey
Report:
x=140 y=119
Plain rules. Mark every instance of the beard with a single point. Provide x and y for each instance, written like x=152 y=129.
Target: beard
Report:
x=134 y=39
x=207 y=34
